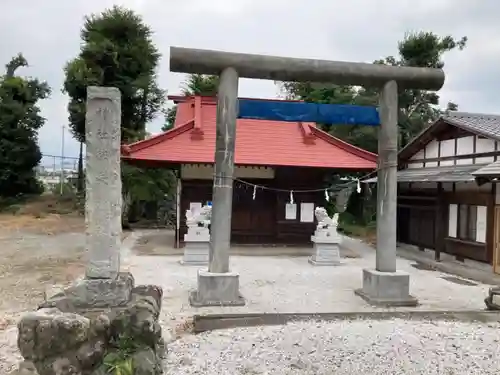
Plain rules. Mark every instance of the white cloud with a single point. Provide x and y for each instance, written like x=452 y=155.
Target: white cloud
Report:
x=360 y=30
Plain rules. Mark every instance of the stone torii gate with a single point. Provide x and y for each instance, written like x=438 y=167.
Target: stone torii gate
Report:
x=382 y=285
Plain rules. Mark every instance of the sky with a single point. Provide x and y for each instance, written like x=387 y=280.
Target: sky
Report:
x=47 y=33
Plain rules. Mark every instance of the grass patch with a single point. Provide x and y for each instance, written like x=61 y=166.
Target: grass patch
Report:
x=367 y=233
x=120 y=361
x=47 y=214
x=47 y=204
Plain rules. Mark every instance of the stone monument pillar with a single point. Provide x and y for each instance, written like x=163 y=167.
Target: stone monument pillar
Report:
x=104 y=285
x=103 y=199
x=197 y=238
x=326 y=240
x=74 y=331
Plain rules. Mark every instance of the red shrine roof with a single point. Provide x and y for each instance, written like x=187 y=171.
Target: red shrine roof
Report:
x=258 y=142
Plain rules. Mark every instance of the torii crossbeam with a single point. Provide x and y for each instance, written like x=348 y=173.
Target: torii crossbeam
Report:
x=382 y=285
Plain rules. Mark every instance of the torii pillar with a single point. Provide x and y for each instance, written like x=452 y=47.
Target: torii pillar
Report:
x=383 y=285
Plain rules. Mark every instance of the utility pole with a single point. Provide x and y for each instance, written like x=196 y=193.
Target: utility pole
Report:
x=61 y=182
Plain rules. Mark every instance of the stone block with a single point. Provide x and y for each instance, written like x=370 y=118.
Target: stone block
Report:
x=97 y=293
x=25 y=368
x=386 y=288
x=325 y=254
x=492 y=302
x=217 y=289
x=59 y=301
x=91 y=353
x=151 y=294
x=140 y=318
x=49 y=332
x=196 y=253
x=57 y=343
x=147 y=362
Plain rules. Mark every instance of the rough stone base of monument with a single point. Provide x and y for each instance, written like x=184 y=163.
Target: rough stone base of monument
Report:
x=96 y=293
x=59 y=342
x=493 y=300
x=217 y=289
x=325 y=254
x=386 y=288
x=195 y=254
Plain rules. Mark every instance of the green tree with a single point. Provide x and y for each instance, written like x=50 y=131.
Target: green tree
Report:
x=117 y=50
x=20 y=121
x=169 y=114
x=196 y=84
x=417 y=108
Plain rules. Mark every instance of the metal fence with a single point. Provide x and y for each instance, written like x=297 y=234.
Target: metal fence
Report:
x=57 y=173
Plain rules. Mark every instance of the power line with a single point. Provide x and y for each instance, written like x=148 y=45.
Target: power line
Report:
x=59 y=156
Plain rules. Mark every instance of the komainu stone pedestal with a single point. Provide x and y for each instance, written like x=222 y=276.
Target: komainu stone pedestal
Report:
x=492 y=302
x=196 y=247
x=326 y=248
x=326 y=240
x=197 y=238
x=217 y=289
x=386 y=288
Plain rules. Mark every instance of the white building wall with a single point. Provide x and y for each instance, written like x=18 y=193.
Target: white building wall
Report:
x=446 y=148
x=484 y=145
x=453 y=220
x=481 y=221
x=431 y=152
x=465 y=146
x=418 y=156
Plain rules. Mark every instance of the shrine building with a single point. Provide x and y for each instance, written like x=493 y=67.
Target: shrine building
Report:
x=281 y=156
x=448 y=195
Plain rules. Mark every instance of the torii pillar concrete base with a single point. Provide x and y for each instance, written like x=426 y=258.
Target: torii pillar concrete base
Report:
x=217 y=289
x=386 y=289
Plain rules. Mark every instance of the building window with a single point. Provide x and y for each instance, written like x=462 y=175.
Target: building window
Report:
x=467 y=220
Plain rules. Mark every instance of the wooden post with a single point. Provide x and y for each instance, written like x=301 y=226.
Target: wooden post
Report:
x=490 y=224
x=440 y=223
x=178 y=215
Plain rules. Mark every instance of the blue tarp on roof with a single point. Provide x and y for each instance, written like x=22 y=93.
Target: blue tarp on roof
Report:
x=276 y=110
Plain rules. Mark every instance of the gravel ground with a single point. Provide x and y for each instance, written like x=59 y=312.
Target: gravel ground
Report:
x=343 y=347
x=286 y=284
x=32 y=265
x=270 y=284
x=290 y=284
